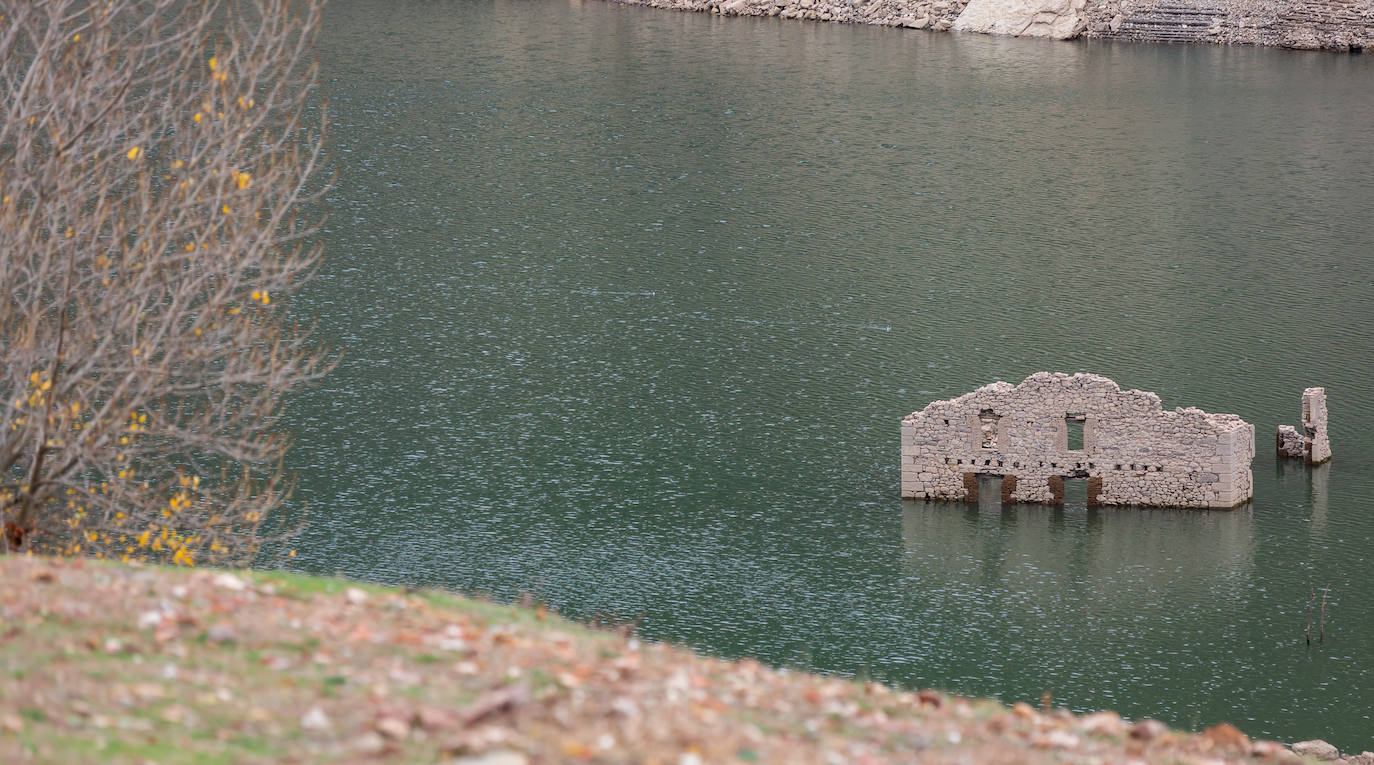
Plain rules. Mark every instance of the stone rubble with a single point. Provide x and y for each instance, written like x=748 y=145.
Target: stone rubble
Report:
x=913 y=14
x=1133 y=452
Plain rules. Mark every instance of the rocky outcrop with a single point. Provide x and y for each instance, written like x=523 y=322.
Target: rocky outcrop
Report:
x=1317 y=750
x=1334 y=25
x=1057 y=19
x=1166 y=22
x=1321 y=751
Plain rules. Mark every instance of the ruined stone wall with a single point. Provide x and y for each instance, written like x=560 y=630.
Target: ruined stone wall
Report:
x=1133 y=452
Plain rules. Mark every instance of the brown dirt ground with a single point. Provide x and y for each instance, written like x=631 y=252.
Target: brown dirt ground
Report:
x=106 y=663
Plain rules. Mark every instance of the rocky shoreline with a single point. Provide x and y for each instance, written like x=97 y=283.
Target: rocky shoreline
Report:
x=1331 y=25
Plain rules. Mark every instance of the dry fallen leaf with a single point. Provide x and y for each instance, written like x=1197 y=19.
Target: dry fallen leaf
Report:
x=493 y=703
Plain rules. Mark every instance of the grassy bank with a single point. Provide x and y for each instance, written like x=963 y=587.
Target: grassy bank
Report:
x=107 y=663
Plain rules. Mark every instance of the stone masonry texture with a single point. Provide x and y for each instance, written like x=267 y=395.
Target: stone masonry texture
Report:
x=1132 y=452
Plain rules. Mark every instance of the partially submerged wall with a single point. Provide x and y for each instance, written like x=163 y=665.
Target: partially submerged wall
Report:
x=1132 y=452
x=1312 y=444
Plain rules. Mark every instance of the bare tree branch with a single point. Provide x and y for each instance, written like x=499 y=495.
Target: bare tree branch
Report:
x=155 y=165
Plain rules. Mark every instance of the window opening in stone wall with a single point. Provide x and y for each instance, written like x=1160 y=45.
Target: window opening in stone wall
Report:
x=1073 y=426
x=1075 y=494
x=987 y=424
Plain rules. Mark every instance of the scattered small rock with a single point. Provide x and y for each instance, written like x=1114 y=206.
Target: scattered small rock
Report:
x=229 y=582
x=432 y=718
x=499 y=757
x=177 y=714
x=355 y=596
x=1269 y=749
x=1062 y=739
x=474 y=740
x=457 y=645
x=1316 y=749
x=494 y=703
x=393 y=728
x=369 y=743
x=1227 y=736
x=1148 y=730
x=316 y=719
x=1106 y=723
x=147 y=691
x=1023 y=710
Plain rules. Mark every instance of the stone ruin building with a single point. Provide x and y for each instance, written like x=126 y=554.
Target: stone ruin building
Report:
x=1054 y=428
x=1311 y=445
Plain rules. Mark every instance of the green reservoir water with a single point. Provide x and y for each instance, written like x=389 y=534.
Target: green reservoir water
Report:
x=632 y=302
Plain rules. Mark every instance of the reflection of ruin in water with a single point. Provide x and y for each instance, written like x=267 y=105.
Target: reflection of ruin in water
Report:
x=1119 y=558
x=1316 y=478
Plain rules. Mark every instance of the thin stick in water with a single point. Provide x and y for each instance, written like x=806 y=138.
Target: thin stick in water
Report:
x=1321 y=636
x=1312 y=595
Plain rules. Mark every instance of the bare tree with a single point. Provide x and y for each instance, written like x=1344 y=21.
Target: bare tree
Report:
x=155 y=164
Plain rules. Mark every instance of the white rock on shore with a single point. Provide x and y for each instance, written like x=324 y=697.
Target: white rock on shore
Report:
x=1057 y=19
x=1317 y=750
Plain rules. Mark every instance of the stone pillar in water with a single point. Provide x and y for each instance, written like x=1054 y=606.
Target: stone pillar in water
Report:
x=1311 y=445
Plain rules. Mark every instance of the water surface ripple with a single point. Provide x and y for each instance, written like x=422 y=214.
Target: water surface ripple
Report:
x=633 y=301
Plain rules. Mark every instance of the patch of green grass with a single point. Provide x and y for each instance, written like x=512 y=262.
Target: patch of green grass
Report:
x=290 y=582
x=330 y=685
x=539 y=679
x=111 y=746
